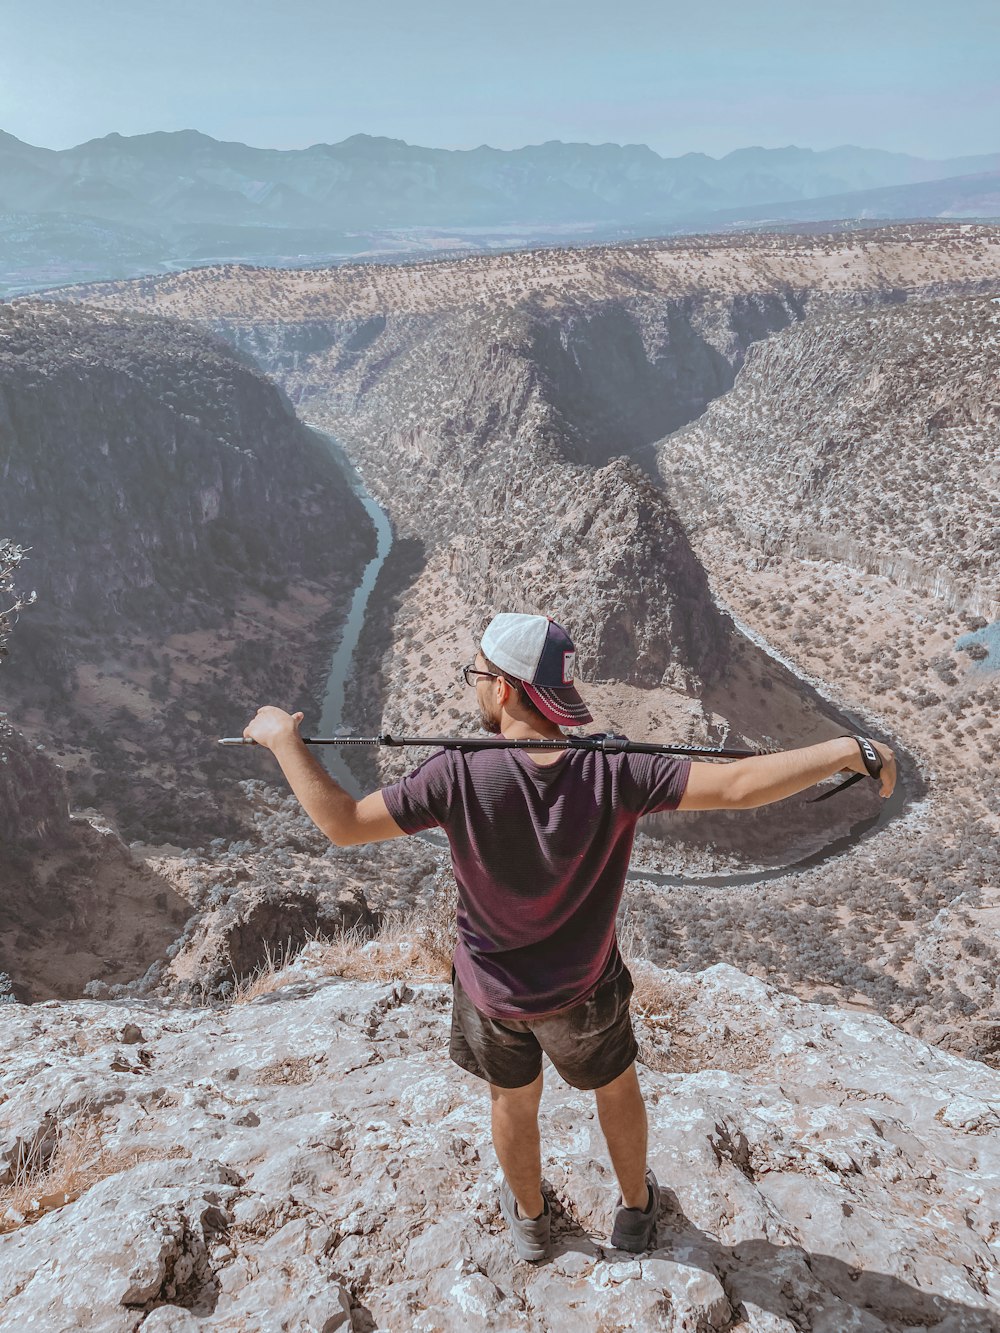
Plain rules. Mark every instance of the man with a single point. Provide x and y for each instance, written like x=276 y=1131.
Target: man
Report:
x=540 y=843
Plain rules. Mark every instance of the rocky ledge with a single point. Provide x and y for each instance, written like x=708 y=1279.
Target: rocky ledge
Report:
x=311 y=1160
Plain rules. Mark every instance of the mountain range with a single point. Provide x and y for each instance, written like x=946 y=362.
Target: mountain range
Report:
x=119 y=206
x=188 y=177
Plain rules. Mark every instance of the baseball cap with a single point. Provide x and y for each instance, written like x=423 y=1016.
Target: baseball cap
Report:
x=540 y=654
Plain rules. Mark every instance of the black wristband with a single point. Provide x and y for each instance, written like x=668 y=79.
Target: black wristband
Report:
x=872 y=758
x=873 y=767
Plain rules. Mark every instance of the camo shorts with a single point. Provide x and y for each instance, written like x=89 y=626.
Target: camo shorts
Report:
x=590 y=1044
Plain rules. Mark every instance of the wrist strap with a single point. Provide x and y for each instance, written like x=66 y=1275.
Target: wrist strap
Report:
x=871 y=756
x=873 y=765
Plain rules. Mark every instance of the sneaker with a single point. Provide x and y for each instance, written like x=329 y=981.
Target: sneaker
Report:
x=635 y=1228
x=531 y=1235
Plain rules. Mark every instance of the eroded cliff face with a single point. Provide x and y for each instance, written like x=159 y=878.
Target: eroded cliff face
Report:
x=617 y=373
x=860 y=438
x=75 y=904
x=152 y=471
x=475 y=432
x=34 y=802
x=192 y=545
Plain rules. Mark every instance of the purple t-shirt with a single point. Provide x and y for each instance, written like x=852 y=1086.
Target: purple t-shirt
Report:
x=540 y=854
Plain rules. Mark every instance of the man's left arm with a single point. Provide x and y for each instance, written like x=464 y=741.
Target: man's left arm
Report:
x=345 y=821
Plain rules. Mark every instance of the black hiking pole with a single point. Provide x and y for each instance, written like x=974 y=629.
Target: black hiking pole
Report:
x=608 y=743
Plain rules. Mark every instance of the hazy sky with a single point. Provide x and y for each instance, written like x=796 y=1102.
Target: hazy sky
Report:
x=919 y=76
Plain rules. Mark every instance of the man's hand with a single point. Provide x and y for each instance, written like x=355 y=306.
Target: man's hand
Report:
x=272 y=726
x=888 y=775
x=345 y=821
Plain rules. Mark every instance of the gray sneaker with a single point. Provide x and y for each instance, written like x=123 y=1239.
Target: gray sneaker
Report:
x=635 y=1228
x=531 y=1235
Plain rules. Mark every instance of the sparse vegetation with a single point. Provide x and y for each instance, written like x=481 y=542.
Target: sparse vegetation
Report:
x=64 y=1158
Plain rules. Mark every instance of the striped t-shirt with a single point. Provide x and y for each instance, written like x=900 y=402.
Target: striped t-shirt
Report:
x=539 y=854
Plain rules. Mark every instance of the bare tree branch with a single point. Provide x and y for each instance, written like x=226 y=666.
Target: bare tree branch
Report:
x=11 y=556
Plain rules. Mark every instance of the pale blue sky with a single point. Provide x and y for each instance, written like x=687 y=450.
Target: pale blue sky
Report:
x=910 y=75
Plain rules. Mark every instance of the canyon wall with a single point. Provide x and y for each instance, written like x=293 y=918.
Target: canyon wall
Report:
x=191 y=544
x=860 y=439
x=34 y=801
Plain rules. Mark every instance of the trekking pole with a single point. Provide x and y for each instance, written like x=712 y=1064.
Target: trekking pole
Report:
x=607 y=744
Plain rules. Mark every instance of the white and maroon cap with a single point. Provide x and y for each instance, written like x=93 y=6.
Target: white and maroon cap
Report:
x=539 y=653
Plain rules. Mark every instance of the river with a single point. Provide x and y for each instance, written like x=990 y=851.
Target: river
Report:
x=332 y=717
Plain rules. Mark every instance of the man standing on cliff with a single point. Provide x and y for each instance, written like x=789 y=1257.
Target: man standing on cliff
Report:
x=540 y=843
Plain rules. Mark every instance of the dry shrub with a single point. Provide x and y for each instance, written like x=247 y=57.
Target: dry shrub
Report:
x=291 y=1069
x=659 y=1010
x=659 y=1014
x=389 y=955
x=57 y=1167
x=654 y=998
x=268 y=976
x=411 y=946
x=631 y=939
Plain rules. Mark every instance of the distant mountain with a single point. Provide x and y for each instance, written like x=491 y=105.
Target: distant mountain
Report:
x=975 y=196
x=184 y=197
x=376 y=182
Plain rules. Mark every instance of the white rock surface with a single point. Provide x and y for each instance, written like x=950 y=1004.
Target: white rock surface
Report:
x=312 y=1161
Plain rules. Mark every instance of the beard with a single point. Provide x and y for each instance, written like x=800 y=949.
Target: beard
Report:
x=489 y=724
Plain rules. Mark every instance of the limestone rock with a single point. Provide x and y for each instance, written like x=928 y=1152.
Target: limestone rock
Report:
x=313 y=1157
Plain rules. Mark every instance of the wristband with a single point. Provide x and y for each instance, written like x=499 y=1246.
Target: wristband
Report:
x=872 y=758
x=873 y=767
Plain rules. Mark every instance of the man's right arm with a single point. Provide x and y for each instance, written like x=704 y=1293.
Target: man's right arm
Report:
x=764 y=779
x=345 y=821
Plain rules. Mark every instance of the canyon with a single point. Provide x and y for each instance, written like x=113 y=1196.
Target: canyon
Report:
x=757 y=479
x=545 y=431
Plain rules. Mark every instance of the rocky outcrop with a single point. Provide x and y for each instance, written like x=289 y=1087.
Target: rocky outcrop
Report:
x=193 y=548
x=34 y=802
x=74 y=903
x=314 y=1155
x=253 y=904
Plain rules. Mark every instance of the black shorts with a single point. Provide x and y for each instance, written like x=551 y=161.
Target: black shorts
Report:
x=589 y=1044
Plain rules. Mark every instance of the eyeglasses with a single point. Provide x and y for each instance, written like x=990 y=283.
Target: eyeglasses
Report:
x=471 y=670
